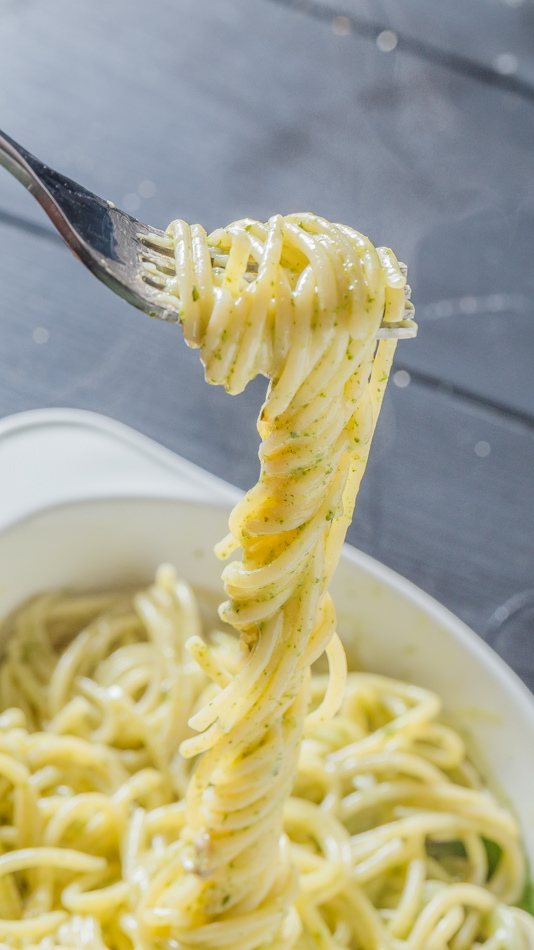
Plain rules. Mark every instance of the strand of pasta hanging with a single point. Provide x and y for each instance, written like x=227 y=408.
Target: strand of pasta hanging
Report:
x=300 y=300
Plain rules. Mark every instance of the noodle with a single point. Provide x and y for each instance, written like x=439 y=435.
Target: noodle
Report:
x=386 y=823
x=164 y=790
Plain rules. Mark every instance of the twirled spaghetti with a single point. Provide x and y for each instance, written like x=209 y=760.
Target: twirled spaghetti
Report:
x=164 y=790
x=300 y=300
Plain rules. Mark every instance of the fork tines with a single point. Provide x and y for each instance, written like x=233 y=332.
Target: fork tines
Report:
x=157 y=265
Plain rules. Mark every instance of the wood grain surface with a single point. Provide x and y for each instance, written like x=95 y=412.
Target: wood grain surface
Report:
x=222 y=108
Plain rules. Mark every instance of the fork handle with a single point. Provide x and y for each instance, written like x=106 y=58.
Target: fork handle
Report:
x=28 y=169
x=52 y=190
x=17 y=161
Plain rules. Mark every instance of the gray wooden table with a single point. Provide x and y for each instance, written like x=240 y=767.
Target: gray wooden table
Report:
x=411 y=120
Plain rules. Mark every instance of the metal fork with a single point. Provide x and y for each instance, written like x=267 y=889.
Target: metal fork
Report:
x=130 y=257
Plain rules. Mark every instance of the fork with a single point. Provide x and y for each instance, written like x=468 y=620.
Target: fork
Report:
x=130 y=257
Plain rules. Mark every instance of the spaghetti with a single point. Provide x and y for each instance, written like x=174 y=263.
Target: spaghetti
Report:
x=395 y=842
x=163 y=790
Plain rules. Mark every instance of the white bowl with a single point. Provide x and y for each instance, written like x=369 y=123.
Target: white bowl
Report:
x=388 y=625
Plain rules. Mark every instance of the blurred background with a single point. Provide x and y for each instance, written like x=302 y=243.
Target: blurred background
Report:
x=411 y=120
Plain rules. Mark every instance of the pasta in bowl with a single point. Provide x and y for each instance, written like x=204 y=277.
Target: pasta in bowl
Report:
x=125 y=540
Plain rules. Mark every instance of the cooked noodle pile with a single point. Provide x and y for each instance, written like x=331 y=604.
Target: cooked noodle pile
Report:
x=166 y=790
x=386 y=825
